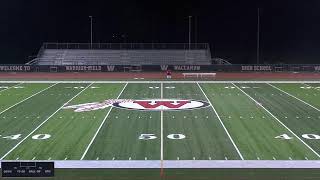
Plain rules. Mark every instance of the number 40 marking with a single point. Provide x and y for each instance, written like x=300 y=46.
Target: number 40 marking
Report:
x=306 y=136
x=36 y=137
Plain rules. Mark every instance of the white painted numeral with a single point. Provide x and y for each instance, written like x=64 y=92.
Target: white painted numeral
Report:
x=41 y=136
x=283 y=136
x=311 y=136
x=13 y=137
x=176 y=136
x=230 y=87
x=147 y=136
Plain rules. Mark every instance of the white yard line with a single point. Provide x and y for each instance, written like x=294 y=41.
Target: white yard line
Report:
x=161 y=129
x=43 y=122
x=225 y=129
x=98 y=130
x=10 y=87
x=27 y=98
x=277 y=120
x=294 y=97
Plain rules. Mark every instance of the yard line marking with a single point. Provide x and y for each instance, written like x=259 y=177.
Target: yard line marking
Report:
x=10 y=87
x=225 y=129
x=27 y=98
x=278 y=121
x=306 y=158
x=161 y=136
x=33 y=158
x=294 y=97
x=98 y=130
x=274 y=158
x=44 y=122
x=66 y=158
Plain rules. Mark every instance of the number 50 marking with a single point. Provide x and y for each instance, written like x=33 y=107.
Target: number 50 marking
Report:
x=153 y=136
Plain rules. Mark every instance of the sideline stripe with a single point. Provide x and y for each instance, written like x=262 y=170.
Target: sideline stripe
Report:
x=294 y=97
x=168 y=82
x=277 y=120
x=44 y=122
x=97 y=132
x=10 y=87
x=28 y=98
x=235 y=146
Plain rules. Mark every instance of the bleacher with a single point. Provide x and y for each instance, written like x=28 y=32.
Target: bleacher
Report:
x=134 y=55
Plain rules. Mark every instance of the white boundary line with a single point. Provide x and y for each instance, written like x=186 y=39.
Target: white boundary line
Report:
x=44 y=122
x=10 y=87
x=235 y=146
x=161 y=129
x=277 y=120
x=176 y=82
x=98 y=130
x=27 y=98
x=294 y=97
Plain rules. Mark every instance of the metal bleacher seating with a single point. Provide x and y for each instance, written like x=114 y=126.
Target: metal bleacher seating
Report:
x=110 y=55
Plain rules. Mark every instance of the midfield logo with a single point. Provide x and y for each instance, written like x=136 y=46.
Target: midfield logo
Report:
x=144 y=105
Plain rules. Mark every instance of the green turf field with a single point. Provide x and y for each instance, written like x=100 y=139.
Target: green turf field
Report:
x=238 y=121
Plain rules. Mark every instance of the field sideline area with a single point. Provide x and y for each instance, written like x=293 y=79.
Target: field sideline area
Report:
x=160 y=121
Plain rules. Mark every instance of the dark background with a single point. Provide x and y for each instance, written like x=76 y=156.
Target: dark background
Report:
x=290 y=29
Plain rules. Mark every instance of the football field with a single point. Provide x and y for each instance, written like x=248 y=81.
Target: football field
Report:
x=160 y=120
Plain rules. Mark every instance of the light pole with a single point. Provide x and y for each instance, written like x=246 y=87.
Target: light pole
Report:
x=258 y=37
x=91 y=33
x=190 y=32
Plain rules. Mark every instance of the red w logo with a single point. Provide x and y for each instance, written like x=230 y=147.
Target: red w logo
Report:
x=168 y=104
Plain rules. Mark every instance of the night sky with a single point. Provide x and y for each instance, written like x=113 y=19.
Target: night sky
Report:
x=290 y=29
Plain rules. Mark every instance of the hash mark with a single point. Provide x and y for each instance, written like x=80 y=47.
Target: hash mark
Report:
x=306 y=158
x=113 y=158
x=145 y=158
x=97 y=158
x=33 y=158
x=194 y=158
x=66 y=158
x=17 y=158
x=290 y=158
x=209 y=158
x=258 y=158
x=225 y=158
x=129 y=158
x=274 y=158
x=49 y=158
x=178 y=158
